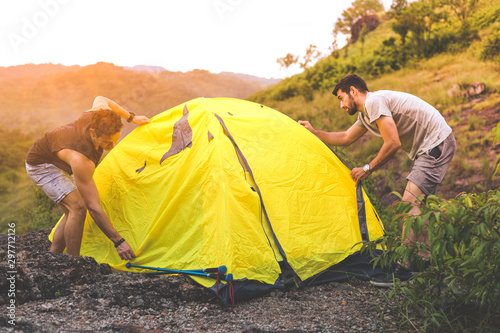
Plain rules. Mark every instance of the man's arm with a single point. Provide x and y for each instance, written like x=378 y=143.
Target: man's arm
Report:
x=83 y=170
x=103 y=102
x=337 y=138
x=389 y=132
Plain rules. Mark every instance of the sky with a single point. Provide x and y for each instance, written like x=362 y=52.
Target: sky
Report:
x=241 y=36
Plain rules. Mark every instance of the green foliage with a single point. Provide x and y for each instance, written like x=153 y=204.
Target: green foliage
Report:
x=24 y=204
x=496 y=139
x=397 y=8
x=458 y=289
x=287 y=89
x=45 y=213
x=491 y=48
x=428 y=30
x=387 y=58
x=487 y=15
x=418 y=30
x=13 y=148
x=462 y=9
x=358 y=9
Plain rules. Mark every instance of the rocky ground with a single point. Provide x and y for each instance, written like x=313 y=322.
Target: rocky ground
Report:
x=60 y=293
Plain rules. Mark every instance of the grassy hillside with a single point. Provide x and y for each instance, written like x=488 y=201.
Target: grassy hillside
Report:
x=36 y=98
x=307 y=96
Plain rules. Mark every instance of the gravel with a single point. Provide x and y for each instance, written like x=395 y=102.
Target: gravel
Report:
x=60 y=293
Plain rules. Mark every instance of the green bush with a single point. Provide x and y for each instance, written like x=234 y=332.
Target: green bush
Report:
x=13 y=148
x=487 y=16
x=496 y=139
x=491 y=48
x=45 y=214
x=460 y=288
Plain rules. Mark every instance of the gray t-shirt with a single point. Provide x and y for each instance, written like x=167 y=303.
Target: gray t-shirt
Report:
x=420 y=126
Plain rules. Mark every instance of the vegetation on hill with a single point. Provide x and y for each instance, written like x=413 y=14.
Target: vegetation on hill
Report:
x=398 y=44
x=435 y=50
x=428 y=68
x=21 y=202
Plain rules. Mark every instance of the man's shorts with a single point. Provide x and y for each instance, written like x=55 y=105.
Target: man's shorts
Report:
x=429 y=168
x=56 y=183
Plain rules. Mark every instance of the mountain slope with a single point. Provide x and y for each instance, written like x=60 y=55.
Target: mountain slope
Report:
x=36 y=98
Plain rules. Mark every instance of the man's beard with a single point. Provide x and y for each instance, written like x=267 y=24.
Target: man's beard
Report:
x=353 y=109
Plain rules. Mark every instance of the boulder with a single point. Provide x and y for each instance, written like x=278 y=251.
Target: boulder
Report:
x=477 y=88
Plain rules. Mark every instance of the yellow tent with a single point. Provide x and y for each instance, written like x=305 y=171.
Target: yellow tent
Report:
x=229 y=182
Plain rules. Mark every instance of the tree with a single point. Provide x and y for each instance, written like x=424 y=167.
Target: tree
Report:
x=397 y=8
x=418 y=18
x=312 y=53
x=359 y=9
x=463 y=10
x=334 y=48
x=367 y=23
x=287 y=61
x=400 y=26
x=362 y=36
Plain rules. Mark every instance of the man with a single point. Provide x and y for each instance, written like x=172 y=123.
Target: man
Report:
x=403 y=121
x=62 y=163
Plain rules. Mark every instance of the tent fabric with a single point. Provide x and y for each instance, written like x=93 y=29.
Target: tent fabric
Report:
x=229 y=182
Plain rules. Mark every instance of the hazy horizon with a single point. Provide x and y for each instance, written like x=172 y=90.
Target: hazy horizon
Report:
x=217 y=35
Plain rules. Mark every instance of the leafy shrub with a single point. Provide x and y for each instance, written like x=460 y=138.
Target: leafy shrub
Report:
x=45 y=214
x=11 y=176
x=458 y=289
x=4 y=186
x=491 y=48
x=487 y=16
x=496 y=139
x=13 y=148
